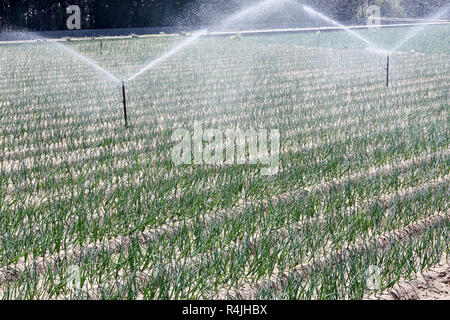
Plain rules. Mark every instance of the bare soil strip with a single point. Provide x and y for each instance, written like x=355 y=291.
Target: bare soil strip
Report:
x=433 y=284
x=278 y=280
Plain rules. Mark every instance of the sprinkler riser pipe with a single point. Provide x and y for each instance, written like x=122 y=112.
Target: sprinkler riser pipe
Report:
x=387 y=71
x=124 y=101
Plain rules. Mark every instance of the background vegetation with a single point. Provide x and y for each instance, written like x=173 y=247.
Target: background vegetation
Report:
x=40 y=15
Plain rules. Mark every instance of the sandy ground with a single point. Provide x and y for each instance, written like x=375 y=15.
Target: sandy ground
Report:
x=433 y=284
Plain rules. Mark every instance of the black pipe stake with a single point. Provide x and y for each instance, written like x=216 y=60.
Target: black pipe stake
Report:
x=101 y=46
x=124 y=104
x=387 y=71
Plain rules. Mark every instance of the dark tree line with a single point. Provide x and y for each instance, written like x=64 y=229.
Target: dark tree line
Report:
x=99 y=14
x=38 y=15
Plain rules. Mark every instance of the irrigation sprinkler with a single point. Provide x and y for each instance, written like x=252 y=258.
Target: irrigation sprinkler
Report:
x=387 y=71
x=318 y=38
x=101 y=46
x=124 y=104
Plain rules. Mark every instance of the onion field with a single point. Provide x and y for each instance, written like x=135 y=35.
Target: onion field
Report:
x=363 y=177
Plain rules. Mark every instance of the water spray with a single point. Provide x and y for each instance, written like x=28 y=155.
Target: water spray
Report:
x=94 y=65
x=415 y=32
x=387 y=70
x=124 y=104
x=315 y=13
x=169 y=54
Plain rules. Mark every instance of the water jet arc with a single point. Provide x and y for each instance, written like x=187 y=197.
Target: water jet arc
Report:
x=313 y=12
x=82 y=58
x=263 y=5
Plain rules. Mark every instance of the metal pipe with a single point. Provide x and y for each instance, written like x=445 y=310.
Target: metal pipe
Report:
x=124 y=104
x=387 y=71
